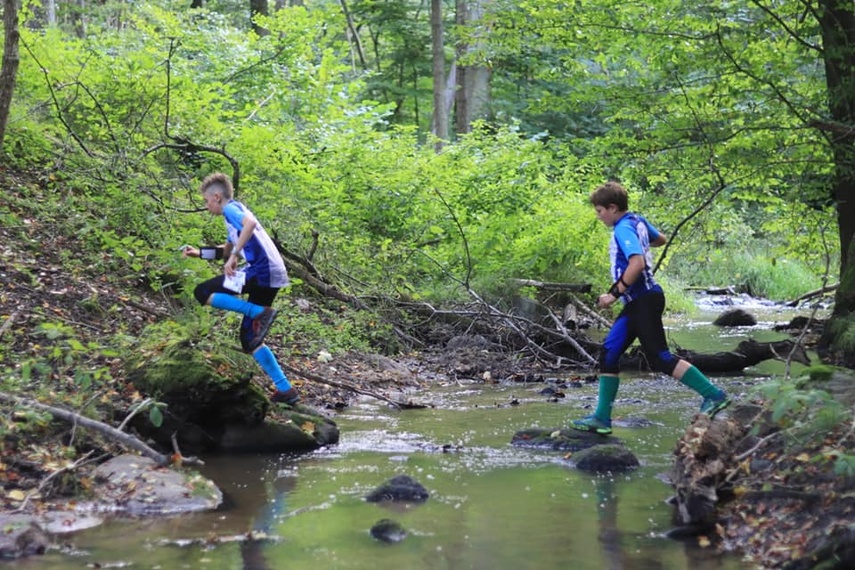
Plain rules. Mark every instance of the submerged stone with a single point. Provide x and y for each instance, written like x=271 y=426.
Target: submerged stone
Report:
x=21 y=536
x=399 y=488
x=387 y=530
x=609 y=458
x=735 y=318
x=136 y=485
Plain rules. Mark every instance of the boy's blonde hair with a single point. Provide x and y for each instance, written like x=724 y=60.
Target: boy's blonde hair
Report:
x=610 y=193
x=218 y=182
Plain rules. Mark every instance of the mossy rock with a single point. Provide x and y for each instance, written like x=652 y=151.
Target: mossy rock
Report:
x=196 y=382
x=839 y=382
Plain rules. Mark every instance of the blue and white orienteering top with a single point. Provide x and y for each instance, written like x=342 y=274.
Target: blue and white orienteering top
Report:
x=632 y=236
x=260 y=253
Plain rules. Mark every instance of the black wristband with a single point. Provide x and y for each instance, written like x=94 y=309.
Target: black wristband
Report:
x=211 y=252
x=613 y=290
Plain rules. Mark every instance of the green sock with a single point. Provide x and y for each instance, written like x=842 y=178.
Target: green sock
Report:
x=694 y=379
x=606 y=396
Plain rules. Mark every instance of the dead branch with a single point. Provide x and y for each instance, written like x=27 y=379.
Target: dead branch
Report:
x=570 y=340
x=122 y=438
x=349 y=386
x=815 y=293
x=589 y=312
x=8 y=324
x=53 y=475
x=550 y=286
x=190 y=460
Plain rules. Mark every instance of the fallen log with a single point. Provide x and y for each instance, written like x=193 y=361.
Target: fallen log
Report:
x=550 y=286
x=747 y=353
x=815 y=293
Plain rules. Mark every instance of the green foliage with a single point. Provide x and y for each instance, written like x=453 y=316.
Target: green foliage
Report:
x=572 y=105
x=61 y=357
x=806 y=414
x=332 y=328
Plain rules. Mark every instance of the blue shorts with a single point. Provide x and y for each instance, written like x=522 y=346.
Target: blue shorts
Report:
x=640 y=319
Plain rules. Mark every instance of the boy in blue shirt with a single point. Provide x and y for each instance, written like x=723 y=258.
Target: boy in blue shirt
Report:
x=263 y=276
x=641 y=317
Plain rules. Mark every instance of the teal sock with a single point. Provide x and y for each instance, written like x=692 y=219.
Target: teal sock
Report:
x=228 y=302
x=694 y=379
x=266 y=359
x=606 y=396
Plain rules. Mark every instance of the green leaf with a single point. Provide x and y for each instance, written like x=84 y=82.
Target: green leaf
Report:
x=155 y=416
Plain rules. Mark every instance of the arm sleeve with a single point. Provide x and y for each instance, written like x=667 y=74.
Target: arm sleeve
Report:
x=627 y=240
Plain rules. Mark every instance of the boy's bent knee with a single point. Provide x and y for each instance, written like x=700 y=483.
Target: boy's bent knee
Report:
x=202 y=293
x=608 y=365
x=665 y=363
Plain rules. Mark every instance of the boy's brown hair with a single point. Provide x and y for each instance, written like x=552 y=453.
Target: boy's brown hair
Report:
x=610 y=193
x=218 y=182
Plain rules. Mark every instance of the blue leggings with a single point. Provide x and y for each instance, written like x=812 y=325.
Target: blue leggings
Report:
x=641 y=318
x=258 y=294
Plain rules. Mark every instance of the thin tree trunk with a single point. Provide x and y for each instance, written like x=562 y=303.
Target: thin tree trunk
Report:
x=50 y=12
x=9 y=67
x=79 y=19
x=353 y=34
x=440 y=117
x=473 y=81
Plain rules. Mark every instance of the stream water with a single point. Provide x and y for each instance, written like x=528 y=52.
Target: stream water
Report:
x=492 y=506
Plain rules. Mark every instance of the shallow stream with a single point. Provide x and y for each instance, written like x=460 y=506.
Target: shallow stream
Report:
x=492 y=506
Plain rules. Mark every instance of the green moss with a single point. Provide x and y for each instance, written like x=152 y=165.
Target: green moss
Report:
x=820 y=373
x=843 y=334
x=173 y=357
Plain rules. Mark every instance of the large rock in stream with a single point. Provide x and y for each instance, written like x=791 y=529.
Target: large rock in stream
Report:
x=126 y=485
x=213 y=405
x=135 y=485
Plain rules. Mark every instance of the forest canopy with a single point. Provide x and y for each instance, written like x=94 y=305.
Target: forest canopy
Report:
x=326 y=113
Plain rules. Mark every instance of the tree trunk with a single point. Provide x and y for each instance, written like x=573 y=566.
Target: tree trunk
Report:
x=353 y=34
x=473 y=81
x=837 y=25
x=50 y=12
x=79 y=20
x=258 y=8
x=440 y=117
x=9 y=67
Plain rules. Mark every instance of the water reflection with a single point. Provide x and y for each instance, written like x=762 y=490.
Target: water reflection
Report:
x=255 y=489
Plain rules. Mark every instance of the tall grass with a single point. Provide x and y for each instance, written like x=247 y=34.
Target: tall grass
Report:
x=753 y=272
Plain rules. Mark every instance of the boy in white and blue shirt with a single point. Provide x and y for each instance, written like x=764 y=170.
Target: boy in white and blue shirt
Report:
x=263 y=275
